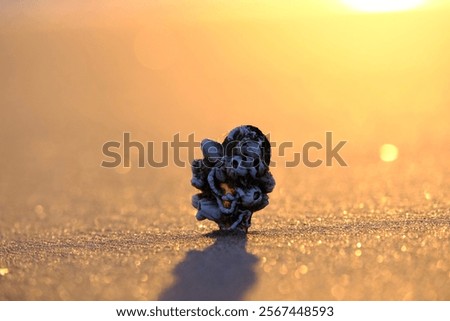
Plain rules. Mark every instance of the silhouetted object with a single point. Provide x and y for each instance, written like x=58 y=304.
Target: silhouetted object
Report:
x=222 y=272
x=234 y=178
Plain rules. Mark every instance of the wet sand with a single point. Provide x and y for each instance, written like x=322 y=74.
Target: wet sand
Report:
x=379 y=232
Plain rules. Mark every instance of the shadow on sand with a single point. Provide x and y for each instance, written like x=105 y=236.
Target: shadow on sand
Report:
x=222 y=271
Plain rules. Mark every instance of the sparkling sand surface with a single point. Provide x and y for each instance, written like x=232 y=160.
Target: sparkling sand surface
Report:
x=342 y=234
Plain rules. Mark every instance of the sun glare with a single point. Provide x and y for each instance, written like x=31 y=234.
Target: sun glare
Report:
x=388 y=153
x=383 y=5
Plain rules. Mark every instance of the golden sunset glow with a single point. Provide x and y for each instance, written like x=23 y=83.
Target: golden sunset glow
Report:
x=105 y=105
x=388 y=153
x=155 y=47
x=383 y=5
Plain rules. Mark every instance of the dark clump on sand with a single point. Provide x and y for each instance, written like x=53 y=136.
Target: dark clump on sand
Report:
x=234 y=178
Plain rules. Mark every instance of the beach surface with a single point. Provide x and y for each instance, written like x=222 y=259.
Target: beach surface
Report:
x=76 y=76
x=339 y=234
